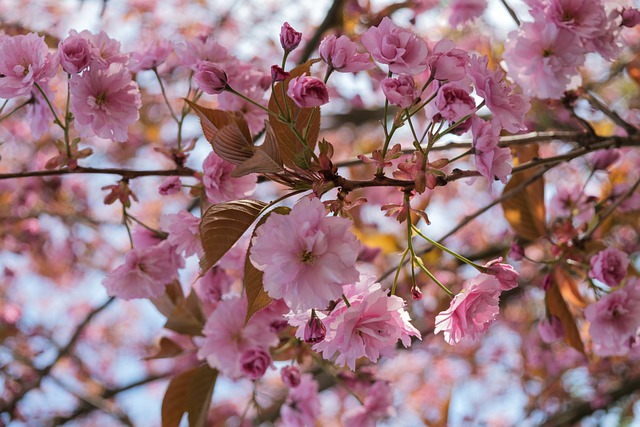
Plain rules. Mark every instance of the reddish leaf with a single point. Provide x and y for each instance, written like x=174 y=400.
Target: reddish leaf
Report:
x=266 y=158
x=558 y=307
x=189 y=392
x=256 y=296
x=525 y=211
x=222 y=225
x=166 y=348
x=188 y=317
x=291 y=148
x=170 y=299
x=633 y=68
x=568 y=287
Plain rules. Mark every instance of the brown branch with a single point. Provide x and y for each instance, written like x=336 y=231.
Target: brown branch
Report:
x=331 y=19
x=124 y=173
x=628 y=127
x=573 y=414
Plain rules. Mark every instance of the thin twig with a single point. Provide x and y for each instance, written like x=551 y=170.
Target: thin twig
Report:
x=125 y=173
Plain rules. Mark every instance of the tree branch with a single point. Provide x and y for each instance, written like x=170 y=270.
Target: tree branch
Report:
x=125 y=173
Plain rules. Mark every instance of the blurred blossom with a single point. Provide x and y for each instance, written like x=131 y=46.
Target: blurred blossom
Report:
x=609 y=266
x=551 y=329
x=463 y=11
x=151 y=57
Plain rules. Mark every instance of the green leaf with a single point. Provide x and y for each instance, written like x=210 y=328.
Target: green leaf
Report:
x=525 y=211
x=189 y=392
x=222 y=225
x=256 y=296
x=289 y=143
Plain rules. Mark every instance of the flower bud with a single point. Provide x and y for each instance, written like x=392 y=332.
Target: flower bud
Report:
x=308 y=92
x=630 y=17
x=278 y=74
x=416 y=294
x=254 y=363
x=289 y=38
x=516 y=252
x=315 y=331
x=210 y=78
x=74 y=53
x=290 y=376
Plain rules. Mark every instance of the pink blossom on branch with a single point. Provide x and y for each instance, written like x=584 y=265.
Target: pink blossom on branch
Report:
x=289 y=38
x=26 y=60
x=448 y=63
x=184 y=232
x=302 y=406
x=151 y=57
x=492 y=161
x=210 y=78
x=471 y=312
x=377 y=405
x=105 y=102
x=75 y=53
x=341 y=54
x=609 y=266
x=219 y=185
x=306 y=256
x=400 y=91
x=463 y=11
x=402 y=50
x=307 y=91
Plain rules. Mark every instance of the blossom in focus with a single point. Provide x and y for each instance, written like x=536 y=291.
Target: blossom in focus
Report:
x=210 y=78
x=400 y=91
x=105 y=102
x=377 y=405
x=26 y=60
x=184 y=232
x=306 y=256
x=289 y=38
x=454 y=102
x=226 y=336
x=145 y=272
x=615 y=320
x=219 y=185
x=307 y=91
x=491 y=160
x=544 y=58
x=609 y=266
x=302 y=406
x=370 y=327
x=471 y=312
x=448 y=63
x=75 y=53
x=341 y=54
x=463 y=11
x=402 y=50
x=505 y=274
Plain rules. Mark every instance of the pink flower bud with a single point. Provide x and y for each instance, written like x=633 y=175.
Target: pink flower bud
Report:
x=630 y=17
x=308 y=92
x=210 y=78
x=315 y=331
x=290 y=376
x=551 y=329
x=289 y=38
x=169 y=186
x=74 y=53
x=416 y=294
x=505 y=274
x=516 y=252
x=278 y=74
x=400 y=91
x=254 y=362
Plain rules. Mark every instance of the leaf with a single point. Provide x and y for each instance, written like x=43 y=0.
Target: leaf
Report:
x=257 y=298
x=167 y=348
x=168 y=301
x=222 y=225
x=266 y=158
x=291 y=149
x=227 y=132
x=568 y=287
x=525 y=211
x=188 y=317
x=633 y=68
x=558 y=307
x=189 y=392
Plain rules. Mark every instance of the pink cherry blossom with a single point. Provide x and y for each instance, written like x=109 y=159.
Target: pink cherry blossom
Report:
x=454 y=102
x=212 y=287
x=254 y=362
x=491 y=160
x=226 y=336
x=507 y=106
x=290 y=376
x=465 y=10
x=302 y=407
x=202 y=48
x=289 y=38
x=506 y=275
x=105 y=102
x=569 y=201
x=145 y=272
x=582 y=17
x=307 y=91
x=471 y=312
x=75 y=53
x=219 y=185
x=609 y=266
x=151 y=57
x=448 y=63
x=543 y=58
x=210 y=78
x=184 y=232
x=630 y=17
x=602 y=159
x=26 y=60
x=306 y=256
x=402 y=50
x=377 y=405
x=551 y=329
x=170 y=185
x=615 y=320
x=370 y=327
x=400 y=91
x=341 y=54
